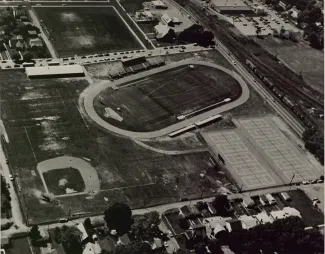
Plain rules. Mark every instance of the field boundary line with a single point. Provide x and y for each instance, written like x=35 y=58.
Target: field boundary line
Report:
x=30 y=144
x=127 y=25
x=135 y=23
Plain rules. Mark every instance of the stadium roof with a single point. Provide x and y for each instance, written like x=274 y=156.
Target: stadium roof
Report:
x=54 y=70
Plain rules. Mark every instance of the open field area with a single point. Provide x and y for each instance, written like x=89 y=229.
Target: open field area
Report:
x=154 y=102
x=43 y=122
x=299 y=57
x=18 y=246
x=86 y=30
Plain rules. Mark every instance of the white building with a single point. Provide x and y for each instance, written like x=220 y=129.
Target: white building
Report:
x=166 y=20
x=159 y=4
x=161 y=31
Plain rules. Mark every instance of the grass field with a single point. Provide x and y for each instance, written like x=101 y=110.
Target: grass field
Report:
x=299 y=57
x=43 y=121
x=18 y=246
x=80 y=30
x=154 y=102
x=69 y=177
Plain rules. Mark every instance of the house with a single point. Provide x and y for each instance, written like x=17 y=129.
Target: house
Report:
x=84 y=235
x=248 y=202
x=189 y=235
x=248 y=221
x=263 y=218
x=234 y=225
x=159 y=5
x=107 y=244
x=290 y=211
x=155 y=243
x=198 y=230
x=285 y=196
x=18 y=45
x=162 y=31
x=188 y=211
x=24 y=18
x=166 y=20
x=37 y=42
x=19 y=12
x=283 y=5
x=211 y=209
x=219 y=230
x=176 y=21
x=17 y=37
x=276 y=215
x=270 y=198
x=32 y=33
x=294 y=12
x=123 y=240
x=264 y=200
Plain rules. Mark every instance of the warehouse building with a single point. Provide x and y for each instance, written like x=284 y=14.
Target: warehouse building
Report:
x=55 y=71
x=234 y=9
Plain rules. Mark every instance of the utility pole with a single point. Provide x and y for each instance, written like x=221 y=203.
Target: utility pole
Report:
x=293 y=176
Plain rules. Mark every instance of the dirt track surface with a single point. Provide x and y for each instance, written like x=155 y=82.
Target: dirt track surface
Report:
x=91 y=92
x=88 y=173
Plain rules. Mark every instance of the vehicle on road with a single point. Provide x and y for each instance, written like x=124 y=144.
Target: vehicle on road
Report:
x=234 y=63
x=11 y=177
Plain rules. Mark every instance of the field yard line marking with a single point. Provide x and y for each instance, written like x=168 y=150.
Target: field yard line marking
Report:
x=126 y=187
x=30 y=144
x=127 y=25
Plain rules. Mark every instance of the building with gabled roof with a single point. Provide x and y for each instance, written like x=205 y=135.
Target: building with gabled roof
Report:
x=234 y=225
x=36 y=42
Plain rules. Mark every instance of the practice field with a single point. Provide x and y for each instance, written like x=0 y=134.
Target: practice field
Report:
x=86 y=30
x=43 y=122
x=156 y=101
x=258 y=155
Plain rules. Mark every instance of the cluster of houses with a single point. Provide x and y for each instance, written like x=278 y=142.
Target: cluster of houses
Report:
x=18 y=41
x=212 y=226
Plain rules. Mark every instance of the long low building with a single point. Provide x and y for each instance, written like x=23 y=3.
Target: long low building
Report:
x=234 y=9
x=55 y=71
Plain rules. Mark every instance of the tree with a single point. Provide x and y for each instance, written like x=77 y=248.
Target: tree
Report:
x=34 y=233
x=221 y=204
x=314 y=41
x=183 y=223
x=27 y=57
x=199 y=248
x=135 y=247
x=145 y=226
x=258 y=31
x=118 y=217
x=88 y=226
x=15 y=56
x=215 y=247
x=57 y=235
x=71 y=240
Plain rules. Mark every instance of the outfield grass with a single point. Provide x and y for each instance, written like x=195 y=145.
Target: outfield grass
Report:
x=154 y=102
x=42 y=120
x=72 y=176
x=80 y=30
x=19 y=246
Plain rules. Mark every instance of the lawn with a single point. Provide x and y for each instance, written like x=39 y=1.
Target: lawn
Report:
x=131 y=6
x=59 y=180
x=19 y=246
x=43 y=121
x=78 y=30
x=154 y=102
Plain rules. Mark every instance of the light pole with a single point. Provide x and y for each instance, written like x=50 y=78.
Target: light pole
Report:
x=293 y=176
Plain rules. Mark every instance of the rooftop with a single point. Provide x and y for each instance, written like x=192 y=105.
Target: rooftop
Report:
x=54 y=70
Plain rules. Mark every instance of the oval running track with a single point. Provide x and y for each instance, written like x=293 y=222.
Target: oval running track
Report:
x=93 y=91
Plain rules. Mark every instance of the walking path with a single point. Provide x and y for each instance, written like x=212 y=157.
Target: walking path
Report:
x=93 y=91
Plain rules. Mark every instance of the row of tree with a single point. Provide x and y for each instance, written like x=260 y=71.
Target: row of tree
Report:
x=314 y=143
x=5 y=197
x=194 y=34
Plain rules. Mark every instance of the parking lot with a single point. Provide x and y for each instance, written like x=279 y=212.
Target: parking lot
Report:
x=247 y=24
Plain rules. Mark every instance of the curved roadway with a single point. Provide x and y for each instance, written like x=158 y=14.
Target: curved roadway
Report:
x=92 y=92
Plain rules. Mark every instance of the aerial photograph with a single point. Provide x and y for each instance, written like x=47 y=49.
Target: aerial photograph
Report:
x=162 y=126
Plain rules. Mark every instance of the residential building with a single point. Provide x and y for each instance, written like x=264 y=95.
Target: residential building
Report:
x=159 y=5
x=211 y=209
x=188 y=211
x=4 y=241
x=294 y=12
x=162 y=31
x=19 y=12
x=123 y=240
x=248 y=202
x=155 y=243
x=219 y=230
x=263 y=218
x=32 y=33
x=270 y=198
x=234 y=225
x=283 y=5
x=166 y=20
x=285 y=196
x=37 y=42
x=248 y=221
x=264 y=200
x=24 y=18
x=291 y=211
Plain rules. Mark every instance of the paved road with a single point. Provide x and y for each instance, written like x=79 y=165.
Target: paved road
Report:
x=258 y=87
x=93 y=91
x=15 y=207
